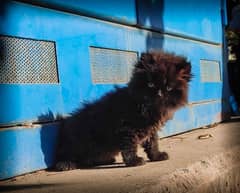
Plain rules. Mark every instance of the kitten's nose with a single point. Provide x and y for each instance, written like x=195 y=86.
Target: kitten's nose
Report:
x=160 y=92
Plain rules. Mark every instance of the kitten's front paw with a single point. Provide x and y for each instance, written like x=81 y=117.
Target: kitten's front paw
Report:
x=137 y=161
x=160 y=156
x=65 y=165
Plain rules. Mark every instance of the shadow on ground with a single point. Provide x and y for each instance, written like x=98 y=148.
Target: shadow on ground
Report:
x=11 y=188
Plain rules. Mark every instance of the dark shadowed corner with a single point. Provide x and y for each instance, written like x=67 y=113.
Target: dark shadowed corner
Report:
x=3 y=11
x=226 y=91
x=231 y=39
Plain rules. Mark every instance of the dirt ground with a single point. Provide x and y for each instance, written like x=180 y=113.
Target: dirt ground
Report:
x=210 y=164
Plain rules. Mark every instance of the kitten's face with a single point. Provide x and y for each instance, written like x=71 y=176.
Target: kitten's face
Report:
x=162 y=84
x=165 y=78
x=171 y=84
x=159 y=84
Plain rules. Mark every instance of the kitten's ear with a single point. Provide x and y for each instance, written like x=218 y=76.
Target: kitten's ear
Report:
x=147 y=58
x=144 y=63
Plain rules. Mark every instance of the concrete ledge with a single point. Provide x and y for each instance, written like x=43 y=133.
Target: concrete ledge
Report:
x=218 y=174
x=207 y=165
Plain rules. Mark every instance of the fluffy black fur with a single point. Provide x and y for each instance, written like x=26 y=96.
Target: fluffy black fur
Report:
x=126 y=117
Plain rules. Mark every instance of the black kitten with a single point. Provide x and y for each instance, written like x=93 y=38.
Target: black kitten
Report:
x=126 y=117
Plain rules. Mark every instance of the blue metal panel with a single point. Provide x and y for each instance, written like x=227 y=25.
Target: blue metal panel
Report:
x=120 y=11
x=72 y=44
x=194 y=114
x=199 y=19
x=26 y=103
x=26 y=149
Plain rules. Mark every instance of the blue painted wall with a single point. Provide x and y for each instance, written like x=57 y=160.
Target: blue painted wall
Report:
x=200 y=19
x=74 y=27
x=73 y=36
x=26 y=149
x=123 y=11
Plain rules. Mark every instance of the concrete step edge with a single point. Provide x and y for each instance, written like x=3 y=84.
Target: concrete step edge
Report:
x=201 y=173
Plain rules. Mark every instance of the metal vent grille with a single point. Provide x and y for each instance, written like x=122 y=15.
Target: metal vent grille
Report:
x=111 y=66
x=210 y=71
x=27 y=61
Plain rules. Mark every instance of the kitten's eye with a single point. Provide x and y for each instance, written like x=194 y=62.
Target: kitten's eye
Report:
x=151 y=85
x=169 y=88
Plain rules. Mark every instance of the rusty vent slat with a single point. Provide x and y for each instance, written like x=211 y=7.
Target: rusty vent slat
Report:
x=111 y=66
x=27 y=61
